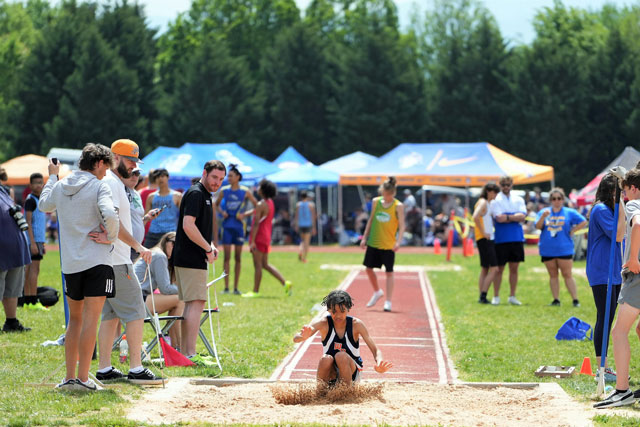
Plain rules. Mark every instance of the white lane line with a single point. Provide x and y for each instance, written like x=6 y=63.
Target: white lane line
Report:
x=289 y=363
x=443 y=337
x=442 y=368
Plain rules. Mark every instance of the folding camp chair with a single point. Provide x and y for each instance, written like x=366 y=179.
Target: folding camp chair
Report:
x=211 y=347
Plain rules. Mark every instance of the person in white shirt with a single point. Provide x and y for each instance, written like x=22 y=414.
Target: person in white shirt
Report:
x=508 y=212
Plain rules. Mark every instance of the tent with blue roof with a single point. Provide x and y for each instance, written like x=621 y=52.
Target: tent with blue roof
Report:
x=356 y=160
x=188 y=161
x=463 y=164
x=290 y=158
x=305 y=175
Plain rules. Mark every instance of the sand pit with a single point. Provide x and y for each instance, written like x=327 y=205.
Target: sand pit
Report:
x=398 y=404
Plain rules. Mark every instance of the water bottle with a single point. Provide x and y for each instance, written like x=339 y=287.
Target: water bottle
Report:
x=124 y=349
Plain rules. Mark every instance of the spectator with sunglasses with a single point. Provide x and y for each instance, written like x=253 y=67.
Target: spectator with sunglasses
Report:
x=508 y=212
x=557 y=224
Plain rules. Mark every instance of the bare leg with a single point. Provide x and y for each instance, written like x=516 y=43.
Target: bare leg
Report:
x=190 y=326
x=627 y=315
x=554 y=281
x=390 y=285
x=90 y=315
x=175 y=332
x=497 y=281
x=326 y=371
x=106 y=334
x=271 y=269
x=306 y=240
x=346 y=366
x=31 y=278
x=565 y=267
x=238 y=266
x=373 y=279
x=10 y=306
x=513 y=277
x=72 y=337
x=489 y=277
x=134 y=339
x=483 y=275
x=174 y=306
x=257 y=270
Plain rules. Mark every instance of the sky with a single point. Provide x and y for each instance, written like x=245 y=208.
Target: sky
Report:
x=515 y=17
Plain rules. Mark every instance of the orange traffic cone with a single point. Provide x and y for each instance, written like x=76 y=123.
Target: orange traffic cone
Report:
x=470 y=247
x=437 y=249
x=586 y=367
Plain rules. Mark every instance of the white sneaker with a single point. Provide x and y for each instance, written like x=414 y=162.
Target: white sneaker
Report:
x=375 y=297
x=387 y=305
x=495 y=301
x=514 y=301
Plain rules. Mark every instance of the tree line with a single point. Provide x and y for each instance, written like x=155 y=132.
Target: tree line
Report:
x=340 y=76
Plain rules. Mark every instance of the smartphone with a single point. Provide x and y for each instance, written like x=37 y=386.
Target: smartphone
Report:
x=162 y=208
x=54 y=160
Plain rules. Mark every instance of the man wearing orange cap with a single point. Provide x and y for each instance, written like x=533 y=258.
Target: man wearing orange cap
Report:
x=127 y=305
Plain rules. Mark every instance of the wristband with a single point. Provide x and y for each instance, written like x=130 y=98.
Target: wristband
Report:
x=209 y=251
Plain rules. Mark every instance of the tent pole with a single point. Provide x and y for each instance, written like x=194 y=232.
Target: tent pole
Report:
x=340 y=226
x=424 y=213
x=361 y=194
x=319 y=214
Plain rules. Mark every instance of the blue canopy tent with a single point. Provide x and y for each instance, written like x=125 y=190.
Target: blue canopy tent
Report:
x=350 y=162
x=187 y=162
x=290 y=159
x=307 y=175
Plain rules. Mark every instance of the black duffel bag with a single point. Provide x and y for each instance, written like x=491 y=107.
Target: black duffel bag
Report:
x=47 y=296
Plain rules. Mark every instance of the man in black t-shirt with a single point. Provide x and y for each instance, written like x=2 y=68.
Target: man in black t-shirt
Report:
x=194 y=248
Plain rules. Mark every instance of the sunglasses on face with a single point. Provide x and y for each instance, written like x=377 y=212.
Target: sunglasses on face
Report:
x=506 y=185
x=553 y=199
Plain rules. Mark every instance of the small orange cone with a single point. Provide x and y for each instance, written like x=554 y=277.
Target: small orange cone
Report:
x=437 y=249
x=586 y=367
x=470 y=251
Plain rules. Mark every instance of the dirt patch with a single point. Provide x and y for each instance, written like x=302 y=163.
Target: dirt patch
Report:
x=396 y=404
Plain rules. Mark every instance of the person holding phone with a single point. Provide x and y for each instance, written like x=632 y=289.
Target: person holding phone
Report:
x=167 y=202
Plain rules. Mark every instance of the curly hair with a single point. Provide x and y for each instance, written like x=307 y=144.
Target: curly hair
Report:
x=336 y=299
x=268 y=189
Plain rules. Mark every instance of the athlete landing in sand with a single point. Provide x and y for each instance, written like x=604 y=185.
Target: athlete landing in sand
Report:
x=340 y=335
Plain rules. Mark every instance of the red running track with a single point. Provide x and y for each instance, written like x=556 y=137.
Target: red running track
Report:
x=410 y=336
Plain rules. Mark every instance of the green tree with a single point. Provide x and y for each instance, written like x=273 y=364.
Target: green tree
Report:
x=214 y=100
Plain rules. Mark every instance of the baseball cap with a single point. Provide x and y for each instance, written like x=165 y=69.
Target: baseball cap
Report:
x=126 y=148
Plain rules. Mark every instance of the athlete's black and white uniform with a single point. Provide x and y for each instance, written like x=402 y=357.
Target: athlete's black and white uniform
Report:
x=332 y=344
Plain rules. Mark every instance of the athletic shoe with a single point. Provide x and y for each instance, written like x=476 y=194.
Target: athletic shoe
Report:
x=288 y=287
x=375 y=297
x=387 y=306
x=226 y=291
x=88 y=386
x=251 y=295
x=237 y=292
x=201 y=361
x=146 y=377
x=617 y=398
x=495 y=301
x=36 y=307
x=555 y=303
x=112 y=375
x=609 y=375
x=68 y=385
x=514 y=301
x=636 y=394
x=483 y=300
x=17 y=327
x=576 y=303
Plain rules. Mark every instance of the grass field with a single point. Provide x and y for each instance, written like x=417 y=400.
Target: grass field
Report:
x=487 y=343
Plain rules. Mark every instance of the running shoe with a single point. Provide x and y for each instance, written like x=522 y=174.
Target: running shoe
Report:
x=237 y=292
x=387 y=306
x=576 y=303
x=226 y=291
x=555 y=303
x=146 y=377
x=636 y=394
x=617 y=398
x=112 y=375
x=375 y=297
x=201 y=361
x=87 y=386
x=251 y=295
x=68 y=385
x=36 y=307
x=495 y=301
x=288 y=287
x=17 y=327
x=483 y=300
x=514 y=301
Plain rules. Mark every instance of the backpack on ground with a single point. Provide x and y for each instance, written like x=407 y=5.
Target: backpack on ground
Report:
x=574 y=329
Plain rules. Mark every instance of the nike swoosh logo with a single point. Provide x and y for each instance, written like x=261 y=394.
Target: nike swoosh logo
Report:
x=444 y=162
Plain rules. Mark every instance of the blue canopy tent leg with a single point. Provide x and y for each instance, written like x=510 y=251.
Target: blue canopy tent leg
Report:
x=319 y=214
x=424 y=213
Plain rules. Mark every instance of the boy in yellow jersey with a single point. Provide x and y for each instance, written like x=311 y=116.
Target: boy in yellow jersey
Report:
x=382 y=238
x=484 y=239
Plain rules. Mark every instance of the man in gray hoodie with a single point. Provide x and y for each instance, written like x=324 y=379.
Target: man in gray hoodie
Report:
x=85 y=209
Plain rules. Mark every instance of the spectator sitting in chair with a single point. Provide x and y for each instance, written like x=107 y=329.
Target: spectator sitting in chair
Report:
x=162 y=277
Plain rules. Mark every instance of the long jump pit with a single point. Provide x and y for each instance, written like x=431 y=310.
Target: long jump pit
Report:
x=421 y=389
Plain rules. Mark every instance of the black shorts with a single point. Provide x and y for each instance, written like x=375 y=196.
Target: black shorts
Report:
x=549 y=258
x=376 y=258
x=510 y=252
x=304 y=230
x=487 y=251
x=40 y=254
x=98 y=281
